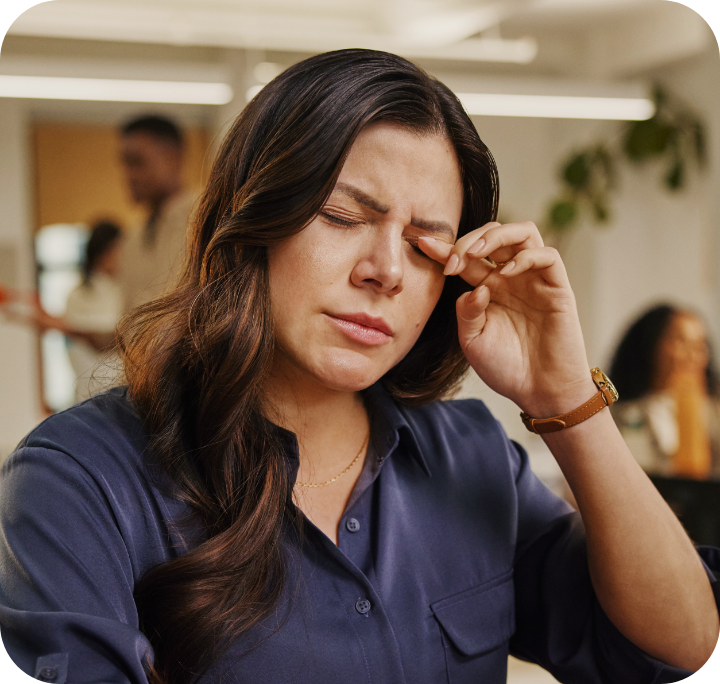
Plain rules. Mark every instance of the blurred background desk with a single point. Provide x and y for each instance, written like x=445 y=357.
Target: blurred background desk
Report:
x=696 y=503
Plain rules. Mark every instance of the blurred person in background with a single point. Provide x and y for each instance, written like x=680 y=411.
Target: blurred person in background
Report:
x=92 y=310
x=152 y=154
x=94 y=307
x=669 y=408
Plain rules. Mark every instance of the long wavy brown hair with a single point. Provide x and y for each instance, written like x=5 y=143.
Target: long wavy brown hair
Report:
x=196 y=359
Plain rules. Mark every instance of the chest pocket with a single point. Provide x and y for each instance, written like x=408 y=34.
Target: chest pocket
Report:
x=476 y=627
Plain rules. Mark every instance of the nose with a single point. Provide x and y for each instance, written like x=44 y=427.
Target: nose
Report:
x=380 y=265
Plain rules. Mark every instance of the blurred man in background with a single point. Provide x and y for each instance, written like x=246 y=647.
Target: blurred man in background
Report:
x=152 y=152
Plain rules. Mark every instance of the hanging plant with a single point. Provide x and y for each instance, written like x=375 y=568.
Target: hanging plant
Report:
x=588 y=176
x=674 y=137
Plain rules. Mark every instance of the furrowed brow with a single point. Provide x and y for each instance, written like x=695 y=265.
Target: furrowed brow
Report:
x=362 y=198
x=437 y=227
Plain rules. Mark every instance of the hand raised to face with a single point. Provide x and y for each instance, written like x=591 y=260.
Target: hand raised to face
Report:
x=519 y=327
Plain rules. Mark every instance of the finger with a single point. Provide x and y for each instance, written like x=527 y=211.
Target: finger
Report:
x=442 y=252
x=474 y=240
x=471 y=312
x=501 y=243
x=435 y=249
x=546 y=259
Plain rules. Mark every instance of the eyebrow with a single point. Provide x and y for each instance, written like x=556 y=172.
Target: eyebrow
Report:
x=362 y=198
x=367 y=201
x=433 y=226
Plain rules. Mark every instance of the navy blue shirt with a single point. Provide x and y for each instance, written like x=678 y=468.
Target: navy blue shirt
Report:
x=451 y=554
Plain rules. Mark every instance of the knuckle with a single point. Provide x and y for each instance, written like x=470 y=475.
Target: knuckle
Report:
x=552 y=251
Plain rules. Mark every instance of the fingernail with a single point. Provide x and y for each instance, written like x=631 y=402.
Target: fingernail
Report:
x=427 y=238
x=452 y=264
x=477 y=247
x=507 y=268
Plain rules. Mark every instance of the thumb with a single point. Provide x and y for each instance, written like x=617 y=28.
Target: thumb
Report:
x=471 y=312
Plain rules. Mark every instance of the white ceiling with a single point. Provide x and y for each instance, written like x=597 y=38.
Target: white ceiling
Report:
x=582 y=45
x=446 y=29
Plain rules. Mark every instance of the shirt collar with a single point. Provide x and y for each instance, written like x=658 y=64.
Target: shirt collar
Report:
x=390 y=428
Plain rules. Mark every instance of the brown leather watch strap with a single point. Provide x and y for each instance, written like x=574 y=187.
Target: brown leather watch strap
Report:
x=605 y=397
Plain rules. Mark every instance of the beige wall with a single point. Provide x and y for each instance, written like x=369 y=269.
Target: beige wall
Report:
x=19 y=383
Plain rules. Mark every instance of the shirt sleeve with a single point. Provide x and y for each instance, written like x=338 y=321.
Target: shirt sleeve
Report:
x=67 y=576
x=560 y=624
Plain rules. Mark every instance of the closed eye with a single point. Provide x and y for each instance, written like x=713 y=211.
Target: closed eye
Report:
x=413 y=242
x=338 y=221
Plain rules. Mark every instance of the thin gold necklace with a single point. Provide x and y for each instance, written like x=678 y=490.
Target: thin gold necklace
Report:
x=337 y=477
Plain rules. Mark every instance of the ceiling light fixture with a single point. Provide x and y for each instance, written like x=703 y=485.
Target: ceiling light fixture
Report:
x=114 y=90
x=557 y=106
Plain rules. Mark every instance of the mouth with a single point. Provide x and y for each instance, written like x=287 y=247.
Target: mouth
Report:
x=363 y=328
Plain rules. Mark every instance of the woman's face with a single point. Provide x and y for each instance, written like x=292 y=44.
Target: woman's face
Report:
x=683 y=347
x=351 y=293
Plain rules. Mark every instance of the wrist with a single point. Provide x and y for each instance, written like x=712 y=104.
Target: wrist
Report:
x=568 y=398
x=604 y=395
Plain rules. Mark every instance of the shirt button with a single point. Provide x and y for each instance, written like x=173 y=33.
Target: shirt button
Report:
x=362 y=606
x=48 y=674
x=352 y=525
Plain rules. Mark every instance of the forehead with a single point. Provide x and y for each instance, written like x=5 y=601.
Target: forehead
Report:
x=143 y=143
x=407 y=171
x=687 y=325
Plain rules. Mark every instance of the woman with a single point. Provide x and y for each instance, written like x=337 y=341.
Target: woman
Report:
x=94 y=307
x=278 y=496
x=670 y=413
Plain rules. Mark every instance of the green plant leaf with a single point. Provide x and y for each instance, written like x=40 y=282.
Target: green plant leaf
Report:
x=577 y=171
x=675 y=177
x=700 y=143
x=645 y=139
x=563 y=214
x=600 y=209
x=659 y=97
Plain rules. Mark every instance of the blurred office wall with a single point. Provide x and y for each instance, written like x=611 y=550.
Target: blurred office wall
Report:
x=78 y=177
x=19 y=380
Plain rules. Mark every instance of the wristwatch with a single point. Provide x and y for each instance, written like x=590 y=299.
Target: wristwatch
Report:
x=605 y=397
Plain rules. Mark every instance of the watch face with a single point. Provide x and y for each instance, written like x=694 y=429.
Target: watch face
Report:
x=604 y=383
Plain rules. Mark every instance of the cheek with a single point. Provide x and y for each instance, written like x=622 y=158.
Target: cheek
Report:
x=425 y=290
x=299 y=272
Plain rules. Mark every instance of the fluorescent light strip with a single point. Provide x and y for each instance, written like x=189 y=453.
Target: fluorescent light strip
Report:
x=558 y=107
x=114 y=90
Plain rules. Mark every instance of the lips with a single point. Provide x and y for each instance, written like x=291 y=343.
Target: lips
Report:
x=362 y=327
x=366 y=321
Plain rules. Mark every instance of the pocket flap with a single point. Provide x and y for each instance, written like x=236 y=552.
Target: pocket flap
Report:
x=479 y=619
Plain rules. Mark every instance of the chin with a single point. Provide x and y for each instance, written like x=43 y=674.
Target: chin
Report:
x=350 y=374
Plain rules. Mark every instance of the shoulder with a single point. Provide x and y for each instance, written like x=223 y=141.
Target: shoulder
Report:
x=80 y=297
x=100 y=441
x=95 y=306
x=79 y=492
x=180 y=208
x=463 y=434
x=109 y=415
x=463 y=420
